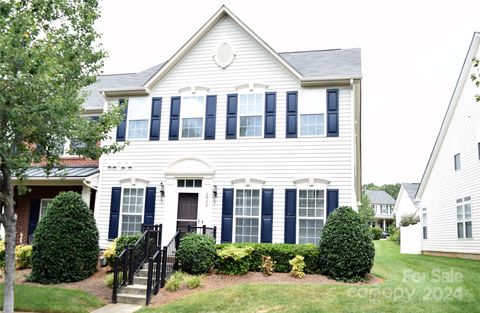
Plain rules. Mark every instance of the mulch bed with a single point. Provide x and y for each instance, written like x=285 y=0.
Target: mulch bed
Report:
x=217 y=281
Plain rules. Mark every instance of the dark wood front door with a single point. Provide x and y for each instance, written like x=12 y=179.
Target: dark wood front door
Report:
x=187 y=210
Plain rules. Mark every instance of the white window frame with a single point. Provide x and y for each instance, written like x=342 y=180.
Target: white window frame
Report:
x=234 y=223
x=424 y=224
x=239 y=116
x=186 y=115
x=147 y=117
x=455 y=162
x=306 y=108
x=310 y=218
x=120 y=226
x=42 y=208
x=462 y=202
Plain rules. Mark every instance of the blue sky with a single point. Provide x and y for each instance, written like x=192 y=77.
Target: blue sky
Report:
x=412 y=53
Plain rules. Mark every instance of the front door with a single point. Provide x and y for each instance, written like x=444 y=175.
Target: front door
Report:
x=187 y=211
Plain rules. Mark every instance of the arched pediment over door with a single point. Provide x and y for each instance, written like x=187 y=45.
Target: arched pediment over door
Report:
x=189 y=167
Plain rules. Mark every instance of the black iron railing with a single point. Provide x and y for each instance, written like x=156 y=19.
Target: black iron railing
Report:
x=169 y=259
x=135 y=256
x=212 y=231
x=154 y=275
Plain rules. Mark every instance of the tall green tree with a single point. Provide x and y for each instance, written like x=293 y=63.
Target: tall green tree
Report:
x=366 y=211
x=49 y=51
x=391 y=189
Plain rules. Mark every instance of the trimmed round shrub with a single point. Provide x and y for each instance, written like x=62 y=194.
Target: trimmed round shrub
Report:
x=65 y=246
x=196 y=253
x=346 y=247
x=376 y=233
x=23 y=256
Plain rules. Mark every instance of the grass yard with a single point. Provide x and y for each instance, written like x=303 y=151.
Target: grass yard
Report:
x=412 y=283
x=52 y=300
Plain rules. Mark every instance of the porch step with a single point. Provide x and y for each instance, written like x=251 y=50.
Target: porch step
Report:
x=137 y=280
x=139 y=290
x=131 y=299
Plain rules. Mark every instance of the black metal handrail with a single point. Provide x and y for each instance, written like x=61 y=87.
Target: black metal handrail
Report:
x=154 y=275
x=169 y=260
x=212 y=231
x=133 y=257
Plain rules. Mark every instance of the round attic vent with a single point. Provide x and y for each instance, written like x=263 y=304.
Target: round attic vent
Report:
x=224 y=56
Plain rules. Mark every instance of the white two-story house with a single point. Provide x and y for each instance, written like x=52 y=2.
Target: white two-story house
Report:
x=230 y=133
x=383 y=205
x=449 y=192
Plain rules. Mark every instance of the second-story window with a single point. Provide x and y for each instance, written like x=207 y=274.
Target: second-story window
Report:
x=138 y=118
x=250 y=112
x=192 y=115
x=311 y=108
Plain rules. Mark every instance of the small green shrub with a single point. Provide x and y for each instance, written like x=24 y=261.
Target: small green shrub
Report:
x=298 y=265
x=281 y=254
x=110 y=253
x=2 y=254
x=391 y=228
x=196 y=253
x=174 y=282
x=123 y=241
x=409 y=219
x=395 y=237
x=23 y=256
x=234 y=260
x=268 y=265
x=193 y=281
x=346 y=247
x=65 y=248
x=109 y=279
x=376 y=233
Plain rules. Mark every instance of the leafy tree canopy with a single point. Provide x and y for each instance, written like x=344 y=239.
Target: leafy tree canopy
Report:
x=391 y=189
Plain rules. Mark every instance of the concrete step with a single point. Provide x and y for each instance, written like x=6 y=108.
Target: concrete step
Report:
x=131 y=299
x=140 y=290
x=143 y=272
x=137 y=280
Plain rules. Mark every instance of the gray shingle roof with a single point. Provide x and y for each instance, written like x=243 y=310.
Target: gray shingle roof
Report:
x=326 y=63
x=379 y=197
x=315 y=64
x=39 y=172
x=411 y=189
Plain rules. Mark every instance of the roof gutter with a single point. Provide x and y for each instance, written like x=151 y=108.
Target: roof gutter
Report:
x=328 y=81
x=129 y=91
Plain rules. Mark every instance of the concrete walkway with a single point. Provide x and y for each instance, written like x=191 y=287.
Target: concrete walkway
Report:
x=118 y=308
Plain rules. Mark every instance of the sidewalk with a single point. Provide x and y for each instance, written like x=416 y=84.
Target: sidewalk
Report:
x=118 y=308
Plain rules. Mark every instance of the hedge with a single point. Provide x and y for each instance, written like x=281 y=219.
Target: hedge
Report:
x=280 y=253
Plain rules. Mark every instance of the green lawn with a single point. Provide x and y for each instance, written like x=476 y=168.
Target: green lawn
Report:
x=413 y=283
x=52 y=300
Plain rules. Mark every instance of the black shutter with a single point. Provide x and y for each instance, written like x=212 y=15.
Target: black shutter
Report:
x=149 y=214
x=232 y=116
x=114 y=212
x=174 y=118
x=227 y=215
x=155 y=118
x=210 y=117
x=33 y=216
x=332 y=200
x=122 y=127
x=290 y=215
x=267 y=215
x=292 y=108
x=332 y=113
x=270 y=111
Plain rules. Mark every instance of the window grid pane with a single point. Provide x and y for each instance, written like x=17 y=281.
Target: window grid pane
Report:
x=137 y=129
x=132 y=210
x=247 y=212
x=250 y=110
x=192 y=127
x=310 y=230
x=312 y=125
x=311 y=214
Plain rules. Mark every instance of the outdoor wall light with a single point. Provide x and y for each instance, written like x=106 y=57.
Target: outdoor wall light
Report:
x=214 y=192
x=162 y=190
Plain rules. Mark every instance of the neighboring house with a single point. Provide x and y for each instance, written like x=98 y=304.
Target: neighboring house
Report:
x=382 y=204
x=449 y=191
x=406 y=203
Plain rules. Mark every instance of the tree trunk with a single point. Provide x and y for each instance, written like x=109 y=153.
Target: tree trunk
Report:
x=9 y=221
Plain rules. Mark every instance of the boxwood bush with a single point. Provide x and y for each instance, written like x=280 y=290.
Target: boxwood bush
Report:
x=376 y=233
x=346 y=246
x=65 y=247
x=196 y=253
x=280 y=253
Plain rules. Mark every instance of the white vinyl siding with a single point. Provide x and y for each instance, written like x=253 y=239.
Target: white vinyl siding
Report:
x=250 y=114
x=311 y=109
x=138 y=117
x=132 y=210
x=192 y=116
x=278 y=161
x=311 y=215
x=247 y=215
x=464 y=218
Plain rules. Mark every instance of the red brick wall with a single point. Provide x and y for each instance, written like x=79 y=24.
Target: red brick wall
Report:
x=79 y=162
x=22 y=205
